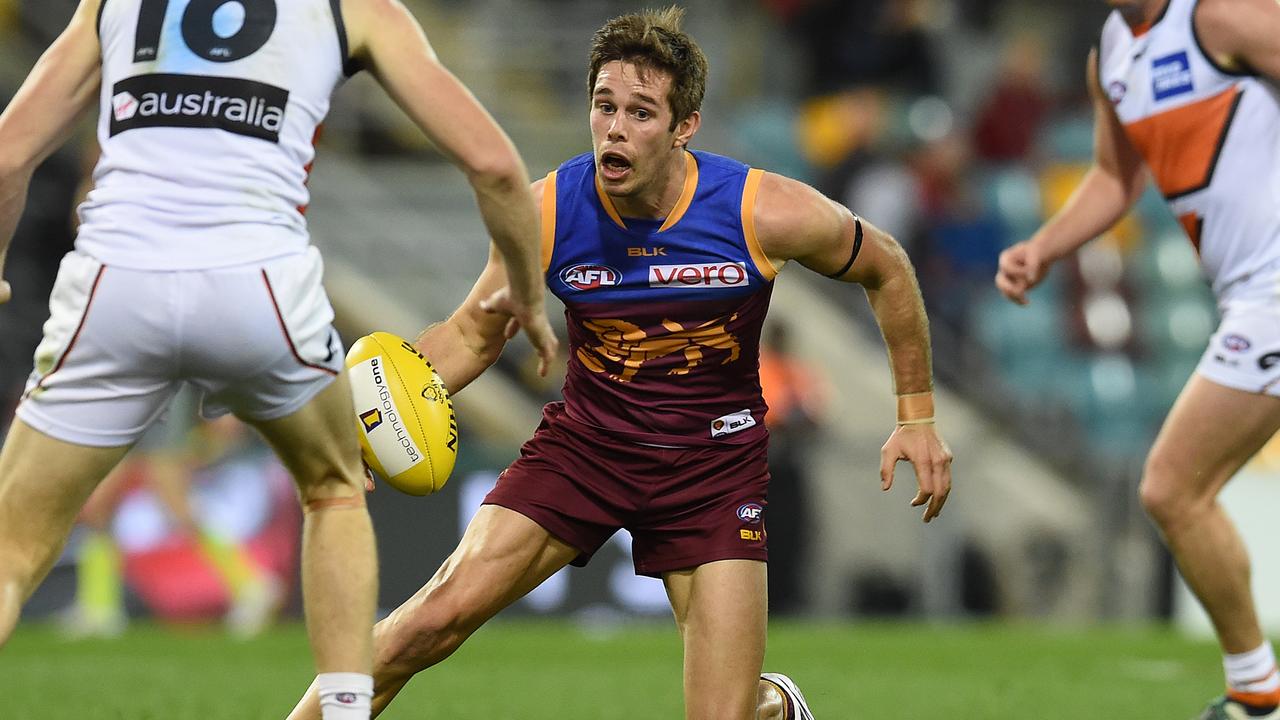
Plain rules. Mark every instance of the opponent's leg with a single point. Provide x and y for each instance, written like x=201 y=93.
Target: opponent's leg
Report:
x=318 y=445
x=721 y=609
x=1210 y=433
x=43 y=484
x=501 y=557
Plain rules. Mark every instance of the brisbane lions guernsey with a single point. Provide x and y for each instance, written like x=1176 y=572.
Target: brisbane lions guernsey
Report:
x=664 y=316
x=1210 y=135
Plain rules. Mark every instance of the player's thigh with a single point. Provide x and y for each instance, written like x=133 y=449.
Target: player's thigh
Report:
x=318 y=442
x=721 y=609
x=43 y=484
x=1210 y=433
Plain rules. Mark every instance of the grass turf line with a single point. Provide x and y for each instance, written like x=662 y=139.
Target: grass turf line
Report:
x=550 y=670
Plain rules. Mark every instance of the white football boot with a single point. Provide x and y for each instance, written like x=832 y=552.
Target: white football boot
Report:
x=797 y=708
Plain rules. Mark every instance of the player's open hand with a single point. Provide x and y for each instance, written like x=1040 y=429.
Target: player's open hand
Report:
x=929 y=456
x=1022 y=267
x=530 y=317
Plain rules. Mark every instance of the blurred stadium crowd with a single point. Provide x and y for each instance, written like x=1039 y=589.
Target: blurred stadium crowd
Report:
x=957 y=125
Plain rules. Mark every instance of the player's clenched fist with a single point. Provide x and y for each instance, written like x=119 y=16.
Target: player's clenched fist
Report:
x=1022 y=267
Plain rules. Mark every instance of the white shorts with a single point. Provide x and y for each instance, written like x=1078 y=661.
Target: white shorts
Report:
x=1244 y=353
x=255 y=340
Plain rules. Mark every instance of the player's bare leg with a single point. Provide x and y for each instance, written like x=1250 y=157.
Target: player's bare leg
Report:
x=318 y=445
x=43 y=484
x=501 y=557
x=1210 y=433
x=721 y=609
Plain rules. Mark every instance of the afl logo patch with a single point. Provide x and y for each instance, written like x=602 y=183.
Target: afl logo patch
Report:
x=590 y=277
x=1236 y=343
x=750 y=513
x=1116 y=91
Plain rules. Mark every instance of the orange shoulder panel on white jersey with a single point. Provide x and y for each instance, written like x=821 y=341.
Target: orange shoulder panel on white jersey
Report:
x=1210 y=136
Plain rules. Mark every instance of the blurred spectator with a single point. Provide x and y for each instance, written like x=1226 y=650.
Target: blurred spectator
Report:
x=796 y=398
x=173 y=455
x=1009 y=122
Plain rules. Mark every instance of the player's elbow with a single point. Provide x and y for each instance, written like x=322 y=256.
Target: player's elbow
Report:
x=496 y=170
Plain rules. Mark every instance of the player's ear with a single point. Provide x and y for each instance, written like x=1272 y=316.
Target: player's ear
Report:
x=686 y=128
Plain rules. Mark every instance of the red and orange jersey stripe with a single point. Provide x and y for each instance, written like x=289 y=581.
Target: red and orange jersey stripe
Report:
x=1182 y=145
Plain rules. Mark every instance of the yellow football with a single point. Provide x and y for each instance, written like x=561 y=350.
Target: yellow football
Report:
x=408 y=432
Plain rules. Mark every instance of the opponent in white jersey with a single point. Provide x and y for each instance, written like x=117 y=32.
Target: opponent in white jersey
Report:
x=193 y=265
x=1188 y=90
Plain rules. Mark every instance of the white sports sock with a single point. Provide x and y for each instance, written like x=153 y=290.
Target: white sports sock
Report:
x=1253 y=671
x=345 y=696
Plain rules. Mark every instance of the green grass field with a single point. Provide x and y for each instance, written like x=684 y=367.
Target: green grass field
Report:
x=529 y=670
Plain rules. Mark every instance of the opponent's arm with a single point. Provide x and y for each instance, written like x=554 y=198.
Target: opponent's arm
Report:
x=472 y=338
x=1110 y=187
x=41 y=115
x=796 y=222
x=1241 y=35
x=386 y=38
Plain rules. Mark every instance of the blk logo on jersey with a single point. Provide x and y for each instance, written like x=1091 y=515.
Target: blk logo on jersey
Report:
x=590 y=277
x=1171 y=75
x=243 y=107
x=701 y=275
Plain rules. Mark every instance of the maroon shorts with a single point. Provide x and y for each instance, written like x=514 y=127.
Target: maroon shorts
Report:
x=684 y=507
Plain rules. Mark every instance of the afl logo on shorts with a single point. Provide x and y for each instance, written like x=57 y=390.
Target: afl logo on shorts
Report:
x=750 y=513
x=1236 y=343
x=590 y=277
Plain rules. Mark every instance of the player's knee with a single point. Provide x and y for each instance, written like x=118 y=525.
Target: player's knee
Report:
x=327 y=484
x=1166 y=493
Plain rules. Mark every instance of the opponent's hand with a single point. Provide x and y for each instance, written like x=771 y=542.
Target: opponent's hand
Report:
x=532 y=319
x=368 y=477
x=929 y=456
x=1022 y=267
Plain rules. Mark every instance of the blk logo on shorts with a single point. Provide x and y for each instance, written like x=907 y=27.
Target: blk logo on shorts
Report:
x=371 y=419
x=732 y=423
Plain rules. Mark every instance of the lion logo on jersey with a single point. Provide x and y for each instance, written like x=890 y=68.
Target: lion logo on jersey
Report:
x=622 y=343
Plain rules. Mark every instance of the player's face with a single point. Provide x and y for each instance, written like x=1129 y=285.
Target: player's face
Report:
x=631 y=128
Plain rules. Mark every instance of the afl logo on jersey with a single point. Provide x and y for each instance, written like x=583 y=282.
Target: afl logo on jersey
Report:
x=1116 y=91
x=750 y=513
x=590 y=277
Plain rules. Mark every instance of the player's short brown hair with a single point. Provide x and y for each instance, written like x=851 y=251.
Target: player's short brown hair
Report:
x=653 y=40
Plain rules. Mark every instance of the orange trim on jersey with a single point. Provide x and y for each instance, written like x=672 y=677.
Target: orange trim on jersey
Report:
x=758 y=256
x=686 y=194
x=1193 y=224
x=1181 y=146
x=548 y=220
x=608 y=205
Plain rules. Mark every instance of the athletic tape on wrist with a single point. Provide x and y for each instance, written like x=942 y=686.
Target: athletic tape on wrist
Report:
x=915 y=408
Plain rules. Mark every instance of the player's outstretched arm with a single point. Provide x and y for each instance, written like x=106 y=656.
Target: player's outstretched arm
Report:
x=796 y=222
x=471 y=339
x=61 y=85
x=385 y=37
x=1110 y=187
